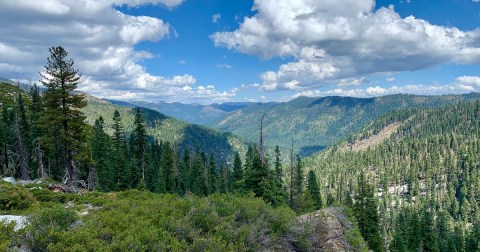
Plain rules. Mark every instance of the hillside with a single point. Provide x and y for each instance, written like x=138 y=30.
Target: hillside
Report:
x=422 y=162
x=193 y=113
x=165 y=128
x=316 y=123
x=7 y=94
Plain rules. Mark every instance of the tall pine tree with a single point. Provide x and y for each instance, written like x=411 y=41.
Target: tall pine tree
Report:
x=62 y=119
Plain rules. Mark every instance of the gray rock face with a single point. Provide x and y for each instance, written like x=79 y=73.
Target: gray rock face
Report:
x=330 y=226
x=10 y=180
x=20 y=221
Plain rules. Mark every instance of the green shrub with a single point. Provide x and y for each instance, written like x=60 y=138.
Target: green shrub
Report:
x=46 y=226
x=7 y=235
x=14 y=197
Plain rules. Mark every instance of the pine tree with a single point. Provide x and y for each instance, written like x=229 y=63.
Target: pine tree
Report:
x=314 y=189
x=167 y=168
x=213 y=176
x=101 y=155
x=62 y=119
x=6 y=138
x=238 y=182
x=198 y=177
x=429 y=235
x=365 y=209
x=120 y=168
x=139 y=142
x=298 y=187
x=279 y=196
x=223 y=179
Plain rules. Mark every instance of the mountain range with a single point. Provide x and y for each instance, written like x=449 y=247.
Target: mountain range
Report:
x=311 y=123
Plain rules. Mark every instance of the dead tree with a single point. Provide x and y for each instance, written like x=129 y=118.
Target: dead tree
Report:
x=37 y=156
x=21 y=151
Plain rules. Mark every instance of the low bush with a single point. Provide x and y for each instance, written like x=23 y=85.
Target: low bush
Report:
x=46 y=226
x=7 y=235
x=15 y=197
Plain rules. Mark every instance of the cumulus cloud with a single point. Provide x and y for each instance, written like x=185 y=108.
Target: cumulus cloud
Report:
x=463 y=84
x=100 y=39
x=329 y=41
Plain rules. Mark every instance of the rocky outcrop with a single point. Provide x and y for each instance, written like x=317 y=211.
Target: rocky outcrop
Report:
x=330 y=227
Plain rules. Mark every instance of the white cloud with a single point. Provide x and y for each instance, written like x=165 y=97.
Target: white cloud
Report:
x=101 y=40
x=463 y=84
x=328 y=41
x=473 y=81
x=390 y=79
x=352 y=81
x=216 y=18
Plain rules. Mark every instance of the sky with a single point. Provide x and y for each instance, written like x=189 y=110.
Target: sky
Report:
x=210 y=51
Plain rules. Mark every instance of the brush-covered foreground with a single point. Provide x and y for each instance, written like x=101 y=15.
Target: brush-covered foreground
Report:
x=142 y=221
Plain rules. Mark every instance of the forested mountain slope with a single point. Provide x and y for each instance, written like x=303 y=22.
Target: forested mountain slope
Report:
x=193 y=113
x=165 y=128
x=316 y=123
x=425 y=171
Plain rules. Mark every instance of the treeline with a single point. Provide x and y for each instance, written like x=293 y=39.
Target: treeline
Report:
x=45 y=135
x=425 y=178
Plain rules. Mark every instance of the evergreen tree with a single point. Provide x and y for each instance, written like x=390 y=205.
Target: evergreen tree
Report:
x=279 y=196
x=365 y=209
x=6 y=138
x=314 y=189
x=213 y=176
x=473 y=243
x=62 y=119
x=101 y=155
x=139 y=142
x=167 y=168
x=238 y=182
x=120 y=168
x=223 y=183
x=429 y=235
x=198 y=179
x=298 y=187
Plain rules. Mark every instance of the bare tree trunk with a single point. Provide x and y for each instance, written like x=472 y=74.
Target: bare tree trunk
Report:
x=5 y=159
x=38 y=153
x=21 y=151
x=91 y=179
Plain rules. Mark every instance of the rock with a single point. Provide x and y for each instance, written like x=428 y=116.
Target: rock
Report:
x=24 y=182
x=69 y=204
x=330 y=225
x=10 y=180
x=56 y=188
x=20 y=221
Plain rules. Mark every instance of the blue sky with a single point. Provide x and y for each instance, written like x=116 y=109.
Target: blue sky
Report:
x=213 y=51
